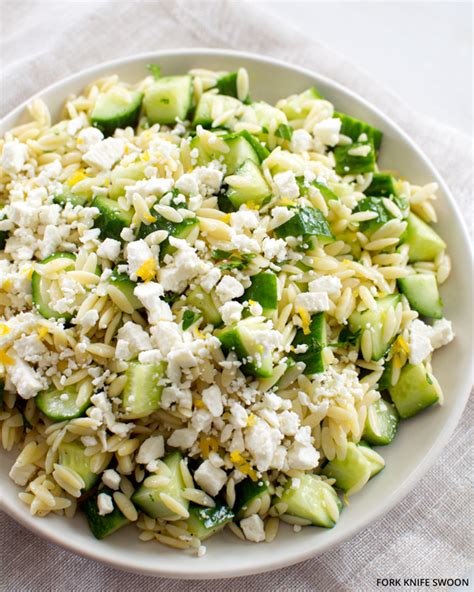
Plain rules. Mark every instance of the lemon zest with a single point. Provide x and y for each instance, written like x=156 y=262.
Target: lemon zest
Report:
x=198 y=333
x=147 y=270
x=199 y=403
x=243 y=465
x=149 y=218
x=251 y=420
x=4 y=329
x=79 y=175
x=42 y=332
x=236 y=457
x=28 y=272
x=226 y=219
x=305 y=319
x=5 y=359
x=286 y=202
x=402 y=344
x=7 y=284
x=145 y=156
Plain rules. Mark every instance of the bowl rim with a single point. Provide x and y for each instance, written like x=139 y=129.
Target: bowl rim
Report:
x=116 y=559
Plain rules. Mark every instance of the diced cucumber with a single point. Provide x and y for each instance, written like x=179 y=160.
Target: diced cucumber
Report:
x=414 y=391
x=203 y=301
x=224 y=204
x=126 y=286
x=306 y=223
x=190 y=318
x=204 y=522
x=176 y=229
x=360 y=464
x=112 y=219
x=66 y=196
x=240 y=337
x=355 y=127
x=299 y=106
x=373 y=321
x=240 y=150
x=142 y=393
x=168 y=99
x=40 y=289
x=266 y=116
x=121 y=176
x=71 y=454
x=348 y=163
x=421 y=290
x=373 y=204
x=255 y=191
x=264 y=290
x=246 y=492
x=284 y=131
x=424 y=243
x=227 y=85
x=205 y=107
x=327 y=193
x=381 y=423
x=261 y=151
x=381 y=184
x=149 y=500
x=313 y=499
x=316 y=342
x=60 y=405
x=103 y=526
x=117 y=108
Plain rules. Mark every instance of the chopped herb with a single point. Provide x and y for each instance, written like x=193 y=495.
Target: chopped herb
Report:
x=284 y=131
x=346 y=337
x=154 y=70
x=231 y=260
x=189 y=318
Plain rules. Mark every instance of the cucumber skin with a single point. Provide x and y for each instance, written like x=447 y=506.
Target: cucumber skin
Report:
x=381 y=185
x=355 y=164
x=231 y=341
x=239 y=196
x=425 y=244
x=205 y=303
x=153 y=399
x=111 y=220
x=349 y=471
x=44 y=310
x=125 y=285
x=71 y=454
x=390 y=419
x=204 y=522
x=102 y=526
x=129 y=117
x=45 y=403
x=316 y=341
x=67 y=196
x=352 y=127
x=413 y=392
x=176 y=229
x=306 y=222
x=264 y=290
x=159 y=92
x=421 y=291
x=245 y=492
x=373 y=204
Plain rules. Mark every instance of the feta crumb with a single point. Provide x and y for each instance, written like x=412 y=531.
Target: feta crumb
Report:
x=244 y=219
x=185 y=266
x=109 y=249
x=111 y=478
x=89 y=320
x=261 y=441
x=231 y=312
x=210 y=478
x=14 y=156
x=256 y=309
x=286 y=184
x=313 y=301
x=151 y=449
x=229 y=288
x=210 y=279
x=188 y=184
x=302 y=456
x=131 y=339
x=274 y=248
x=253 y=528
x=167 y=336
x=105 y=504
x=419 y=341
x=326 y=283
x=289 y=422
x=137 y=253
x=212 y=398
x=442 y=333
x=25 y=379
x=281 y=214
x=105 y=154
x=327 y=131
x=88 y=137
x=301 y=141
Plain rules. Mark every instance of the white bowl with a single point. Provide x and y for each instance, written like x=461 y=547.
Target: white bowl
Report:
x=420 y=439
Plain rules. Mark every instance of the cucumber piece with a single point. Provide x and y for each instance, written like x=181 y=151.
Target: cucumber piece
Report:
x=246 y=492
x=40 y=289
x=190 y=318
x=373 y=320
x=240 y=337
x=67 y=196
x=381 y=184
x=355 y=127
x=103 y=526
x=414 y=391
x=316 y=342
x=121 y=176
x=60 y=405
x=381 y=424
x=204 y=522
x=421 y=290
x=227 y=85
x=327 y=193
x=176 y=229
x=353 y=164
x=203 y=301
x=266 y=116
x=168 y=99
x=256 y=191
x=261 y=151
x=224 y=204
x=71 y=454
x=264 y=290
x=112 y=219
x=425 y=244
x=205 y=106
x=299 y=106
x=373 y=204
x=352 y=473
x=240 y=150
x=142 y=393
x=284 y=131
x=148 y=499
x=127 y=287
x=306 y=223
x=117 y=108
x=313 y=499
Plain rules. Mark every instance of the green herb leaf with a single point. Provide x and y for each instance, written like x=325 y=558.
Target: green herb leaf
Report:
x=154 y=70
x=189 y=318
x=284 y=131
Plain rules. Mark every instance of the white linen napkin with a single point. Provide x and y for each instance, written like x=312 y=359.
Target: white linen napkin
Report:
x=429 y=533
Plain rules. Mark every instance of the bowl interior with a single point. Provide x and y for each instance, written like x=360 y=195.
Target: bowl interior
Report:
x=420 y=438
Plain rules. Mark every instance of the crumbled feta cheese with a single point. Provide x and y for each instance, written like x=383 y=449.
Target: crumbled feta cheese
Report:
x=239 y=415
x=326 y=283
x=52 y=238
x=419 y=341
x=229 y=288
x=151 y=449
x=109 y=249
x=13 y=157
x=261 y=441
x=188 y=184
x=313 y=301
x=274 y=248
x=212 y=398
x=149 y=294
x=105 y=154
x=131 y=339
x=289 y=423
x=210 y=478
x=286 y=184
x=201 y=420
x=281 y=214
x=244 y=219
x=167 y=336
x=88 y=137
x=210 y=279
x=186 y=266
x=253 y=528
x=442 y=333
x=231 y=312
x=302 y=456
x=327 y=131
x=183 y=439
x=137 y=253
x=111 y=478
x=244 y=244
x=301 y=141
x=89 y=320
x=25 y=379
x=179 y=360
x=105 y=504
x=256 y=309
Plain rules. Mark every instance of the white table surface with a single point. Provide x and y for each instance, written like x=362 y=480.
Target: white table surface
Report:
x=429 y=62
